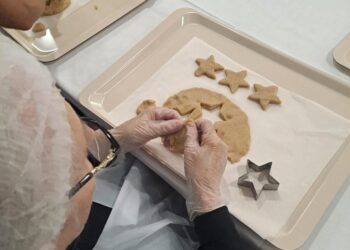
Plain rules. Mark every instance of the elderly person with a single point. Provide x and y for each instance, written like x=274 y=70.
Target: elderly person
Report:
x=43 y=154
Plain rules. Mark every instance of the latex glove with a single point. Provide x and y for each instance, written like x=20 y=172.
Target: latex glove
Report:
x=205 y=160
x=150 y=124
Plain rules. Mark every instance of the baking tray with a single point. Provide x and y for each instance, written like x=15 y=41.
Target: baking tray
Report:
x=341 y=53
x=120 y=80
x=77 y=27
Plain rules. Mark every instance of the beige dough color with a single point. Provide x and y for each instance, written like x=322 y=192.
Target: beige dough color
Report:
x=176 y=142
x=54 y=7
x=145 y=105
x=233 y=130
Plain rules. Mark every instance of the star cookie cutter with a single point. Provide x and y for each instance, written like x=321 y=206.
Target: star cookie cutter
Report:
x=258 y=178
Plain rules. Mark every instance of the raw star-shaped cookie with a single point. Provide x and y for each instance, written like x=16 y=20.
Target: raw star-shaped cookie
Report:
x=234 y=80
x=265 y=95
x=207 y=67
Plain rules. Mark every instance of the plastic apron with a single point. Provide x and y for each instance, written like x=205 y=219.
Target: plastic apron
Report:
x=147 y=213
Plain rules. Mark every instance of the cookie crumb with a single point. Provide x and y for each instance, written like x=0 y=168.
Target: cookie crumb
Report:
x=39 y=27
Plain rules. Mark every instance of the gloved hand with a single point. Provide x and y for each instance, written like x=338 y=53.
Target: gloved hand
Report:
x=150 y=124
x=205 y=160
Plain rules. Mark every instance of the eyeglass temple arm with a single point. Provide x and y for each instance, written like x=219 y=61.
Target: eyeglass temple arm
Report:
x=89 y=175
x=81 y=183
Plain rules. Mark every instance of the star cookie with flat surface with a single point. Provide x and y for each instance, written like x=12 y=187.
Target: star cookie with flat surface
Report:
x=207 y=67
x=234 y=80
x=265 y=95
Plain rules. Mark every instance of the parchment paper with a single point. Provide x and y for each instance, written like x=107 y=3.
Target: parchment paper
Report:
x=299 y=137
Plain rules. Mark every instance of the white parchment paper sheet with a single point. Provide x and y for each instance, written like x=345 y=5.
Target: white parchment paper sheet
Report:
x=299 y=136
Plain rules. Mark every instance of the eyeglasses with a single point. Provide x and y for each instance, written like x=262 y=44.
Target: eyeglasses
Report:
x=112 y=155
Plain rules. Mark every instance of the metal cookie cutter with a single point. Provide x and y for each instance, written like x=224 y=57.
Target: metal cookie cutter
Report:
x=258 y=178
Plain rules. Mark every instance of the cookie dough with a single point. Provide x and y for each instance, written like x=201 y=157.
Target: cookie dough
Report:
x=265 y=95
x=39 y=27
x=54 y=7
x=236 y=135
x=190 y=101
x=207 y=67
x=145 y=105
x=235 y=122
x=176 y=142
x=229 y=111
x=234 y=80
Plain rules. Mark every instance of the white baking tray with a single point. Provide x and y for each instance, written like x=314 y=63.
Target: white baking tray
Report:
x=141 y=62
x=341 y=52
x=72 y=30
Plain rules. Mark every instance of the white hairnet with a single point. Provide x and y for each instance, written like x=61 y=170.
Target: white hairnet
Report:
x=35 y=153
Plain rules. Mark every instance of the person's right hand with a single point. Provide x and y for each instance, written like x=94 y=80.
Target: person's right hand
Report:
x=205 y=160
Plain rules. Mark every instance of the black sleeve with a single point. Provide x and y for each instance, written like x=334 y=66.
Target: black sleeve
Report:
x=216 y=230
x=93 y=228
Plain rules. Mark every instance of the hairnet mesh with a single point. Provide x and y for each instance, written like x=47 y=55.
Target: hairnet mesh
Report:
x=35 y=153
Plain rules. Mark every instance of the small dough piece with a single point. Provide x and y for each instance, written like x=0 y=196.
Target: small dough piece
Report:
x=265 y=95
x=234 y=130
x=54 y=7
x=145 y=105
x=176 y=142
x=207 y=67
x=234 y=80
x=236 y=135
x=38 y=27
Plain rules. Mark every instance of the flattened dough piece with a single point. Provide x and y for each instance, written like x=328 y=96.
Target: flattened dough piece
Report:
x=230 y=111
x=145 y=105
x=265 y=95
x=38 y=27
x=176 y=142
x=187 y=100
x=235 y=122
x=234 y=80
x=196 y=113
x=236 y=135
x=207 y=67
x=181 y=104
x=54 y=7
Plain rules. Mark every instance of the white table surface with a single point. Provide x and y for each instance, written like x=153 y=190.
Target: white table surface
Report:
x=305 y=29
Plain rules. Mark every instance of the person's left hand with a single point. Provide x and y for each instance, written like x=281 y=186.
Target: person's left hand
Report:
x=150 y=124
